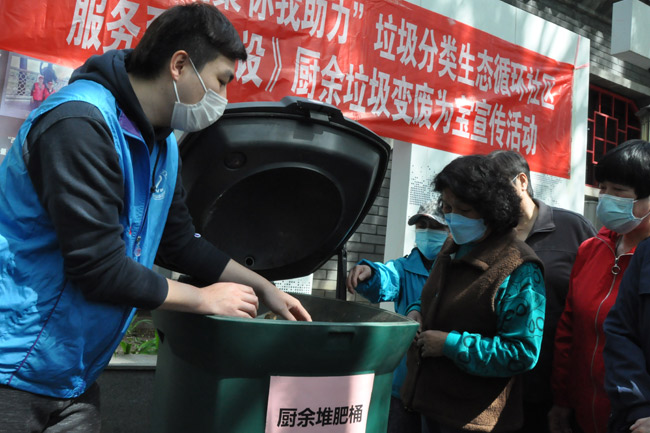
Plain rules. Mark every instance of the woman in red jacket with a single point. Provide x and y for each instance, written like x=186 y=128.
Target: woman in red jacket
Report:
x=623 y=175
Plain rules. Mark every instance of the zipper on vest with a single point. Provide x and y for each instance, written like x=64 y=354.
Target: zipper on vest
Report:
x=137 y=251
x=153 y=172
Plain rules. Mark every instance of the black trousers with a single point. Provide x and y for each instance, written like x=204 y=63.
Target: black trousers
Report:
x=24 y=412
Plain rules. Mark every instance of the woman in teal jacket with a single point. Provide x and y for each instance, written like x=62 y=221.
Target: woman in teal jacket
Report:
x=400 y=281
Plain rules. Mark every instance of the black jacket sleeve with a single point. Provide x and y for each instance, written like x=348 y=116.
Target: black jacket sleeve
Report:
x=73 y=165
x=182 y=249
x=627 y=379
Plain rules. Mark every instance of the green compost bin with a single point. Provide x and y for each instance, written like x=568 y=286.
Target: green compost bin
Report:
x=213 y=373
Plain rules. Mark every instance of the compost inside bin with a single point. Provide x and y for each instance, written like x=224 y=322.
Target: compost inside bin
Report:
x=337 y=311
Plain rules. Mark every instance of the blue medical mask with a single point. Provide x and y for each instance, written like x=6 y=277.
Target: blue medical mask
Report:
x=429 y=241
x=616 y=213
x=465 y=230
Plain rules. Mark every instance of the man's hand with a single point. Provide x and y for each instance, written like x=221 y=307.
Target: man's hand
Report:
x=285 y=305
x=642 y=425
x=225 y=299
x=279 y=302
x=431 y=343
x=230 y=299
x=559 y=419
x=357 y=274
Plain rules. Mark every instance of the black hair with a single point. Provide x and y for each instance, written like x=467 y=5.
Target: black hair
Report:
x=198 y=28
x=511 y=164
x=477 y=181
x=627 y=164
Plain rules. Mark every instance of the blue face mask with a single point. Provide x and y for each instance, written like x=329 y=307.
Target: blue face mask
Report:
x=465 y=230
x=616 y=213
x=430 y=241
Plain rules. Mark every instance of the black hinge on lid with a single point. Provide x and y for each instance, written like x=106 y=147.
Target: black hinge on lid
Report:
x=341 y=273
x=315 y=110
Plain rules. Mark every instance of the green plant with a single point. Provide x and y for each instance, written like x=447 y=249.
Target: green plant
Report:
x=140 y=338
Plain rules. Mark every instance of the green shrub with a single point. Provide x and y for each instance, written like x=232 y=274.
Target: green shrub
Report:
x=140 y=338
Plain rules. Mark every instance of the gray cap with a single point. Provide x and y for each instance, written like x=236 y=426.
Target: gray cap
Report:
x=429 y=210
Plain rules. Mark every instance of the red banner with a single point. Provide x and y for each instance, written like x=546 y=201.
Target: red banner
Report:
x=403 y=71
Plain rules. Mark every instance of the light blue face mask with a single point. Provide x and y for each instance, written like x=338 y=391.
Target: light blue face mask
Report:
x=465 y=230
x=429 y=241
x=616 y=213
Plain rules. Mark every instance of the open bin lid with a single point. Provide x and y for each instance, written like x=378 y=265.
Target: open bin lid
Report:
x=281 y=186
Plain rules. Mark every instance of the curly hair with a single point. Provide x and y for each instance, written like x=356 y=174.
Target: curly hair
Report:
x=478 y=181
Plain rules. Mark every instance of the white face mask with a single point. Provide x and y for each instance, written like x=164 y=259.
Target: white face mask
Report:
x=195 y=117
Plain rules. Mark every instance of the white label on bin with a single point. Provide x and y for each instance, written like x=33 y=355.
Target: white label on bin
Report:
x=337 y=404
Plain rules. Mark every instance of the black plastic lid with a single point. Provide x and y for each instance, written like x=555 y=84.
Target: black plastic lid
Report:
x=281 y=186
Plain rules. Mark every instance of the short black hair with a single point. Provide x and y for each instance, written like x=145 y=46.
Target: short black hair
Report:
x=511 y=164
x=198 y=28
x=476 y=180
x=627 y=164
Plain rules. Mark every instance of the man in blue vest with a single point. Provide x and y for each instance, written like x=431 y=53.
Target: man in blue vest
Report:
x=90 y=195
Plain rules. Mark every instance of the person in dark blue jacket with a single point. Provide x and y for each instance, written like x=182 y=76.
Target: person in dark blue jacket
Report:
x=627 y=348
x=90 y=196
x=400 y=281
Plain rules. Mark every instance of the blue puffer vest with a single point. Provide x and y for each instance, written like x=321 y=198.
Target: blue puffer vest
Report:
x=52 y=340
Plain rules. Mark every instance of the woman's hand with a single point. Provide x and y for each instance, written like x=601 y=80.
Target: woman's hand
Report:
x=431 y=343
x=642 y=425
x=356 y=275
x=417 y=316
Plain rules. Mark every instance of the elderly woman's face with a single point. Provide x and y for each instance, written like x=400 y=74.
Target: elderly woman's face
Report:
x=451 y=204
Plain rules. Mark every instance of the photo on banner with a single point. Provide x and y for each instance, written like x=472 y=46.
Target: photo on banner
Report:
x=24 y=87
x=28 y=82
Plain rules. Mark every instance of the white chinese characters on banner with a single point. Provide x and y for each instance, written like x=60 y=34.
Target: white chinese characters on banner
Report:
x=476 y=120
x=247 y=71
x=122 y=30
x=306 y=72
x=367 y=89
x=87 y=23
